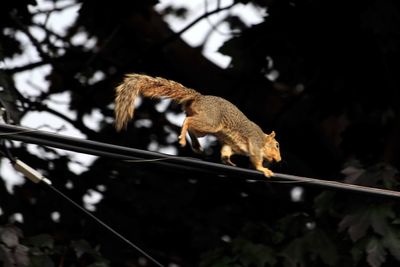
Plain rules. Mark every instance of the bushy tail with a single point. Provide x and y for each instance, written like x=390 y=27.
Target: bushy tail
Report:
x=135 y=84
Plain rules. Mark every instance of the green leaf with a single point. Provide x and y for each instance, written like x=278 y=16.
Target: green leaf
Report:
x=9 y=97
x=376 y=254
x=41 y=241
x=323 y=246
x=294 y=253
x=357 y=253
x=315 y=243
x=216 y=258
x=21 y=254
x=379 y=216
x=99 y=264
x=323 y=203
x=250 y=254
x=356 y=224
x=376 y=216
x=81 y=247
x=9 y=236
x=391 y=241
x=41 y=261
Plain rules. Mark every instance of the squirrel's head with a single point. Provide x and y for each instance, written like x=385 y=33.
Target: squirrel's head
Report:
x=271 y=148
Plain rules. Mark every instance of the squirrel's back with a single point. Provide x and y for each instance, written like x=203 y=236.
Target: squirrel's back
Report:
x=223 y=114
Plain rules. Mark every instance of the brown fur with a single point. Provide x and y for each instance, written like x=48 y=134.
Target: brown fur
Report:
x=205 y=115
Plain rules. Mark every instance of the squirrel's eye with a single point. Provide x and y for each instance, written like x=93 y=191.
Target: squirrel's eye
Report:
x=277 y=145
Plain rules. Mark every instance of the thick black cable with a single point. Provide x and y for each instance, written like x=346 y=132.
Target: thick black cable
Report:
x=109 y=228
x=90 y=149
x=108 y=150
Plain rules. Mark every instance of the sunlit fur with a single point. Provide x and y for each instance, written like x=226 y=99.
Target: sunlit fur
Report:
x=205 y=114
x=271 y=148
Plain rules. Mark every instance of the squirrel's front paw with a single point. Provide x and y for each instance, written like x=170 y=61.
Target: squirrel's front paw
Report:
x=267 y=172
x=182 y=140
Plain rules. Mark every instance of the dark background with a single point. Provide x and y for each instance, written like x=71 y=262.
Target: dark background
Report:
x=334 y=107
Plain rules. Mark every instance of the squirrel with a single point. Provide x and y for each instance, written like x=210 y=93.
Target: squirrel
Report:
x=205 y=114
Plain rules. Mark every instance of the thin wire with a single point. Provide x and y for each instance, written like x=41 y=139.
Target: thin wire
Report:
x=146 y=160
x=288 y=182
x=267 y=180
x=109 y=228
x=20 y=132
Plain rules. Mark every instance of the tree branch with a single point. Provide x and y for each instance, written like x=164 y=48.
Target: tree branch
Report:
x=39 y=106
x=25 y=30
x=27 y=66
x=76 y=123
x=56 y=9
x=205 y=15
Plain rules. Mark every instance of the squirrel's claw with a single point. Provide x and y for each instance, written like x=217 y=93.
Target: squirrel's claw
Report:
x=198 y=150
x=267 y=172
x=182 y=140
x=227 y=160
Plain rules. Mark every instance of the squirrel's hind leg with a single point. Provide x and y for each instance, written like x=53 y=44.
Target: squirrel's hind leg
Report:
x=195 y=143
x=226 y=153
x=197 y=124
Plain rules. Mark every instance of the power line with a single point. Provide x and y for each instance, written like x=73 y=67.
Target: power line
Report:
x=124 y=153
x=109 y=228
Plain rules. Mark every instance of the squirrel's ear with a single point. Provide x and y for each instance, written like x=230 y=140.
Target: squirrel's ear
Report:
x=272 y=134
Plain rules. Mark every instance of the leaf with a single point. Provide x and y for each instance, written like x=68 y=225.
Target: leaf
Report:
x=391 y=241
x=323 y=203
x=99 y=264
x=21 y=254
x=377 y=174
x=352 y=173
x=10 y=236
x=9 y=97
x=323 y=246
x=294 y=253
x=41 y=241
x=376 y=254
x=81 y=247
x=6 y=258
x=250 y=254
x=41 y=261
x=379 y=217
x=357 y=253
x=376 y=216
x=356 y=224
x=215 y=258
x=315 y=243
x=11 y=251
